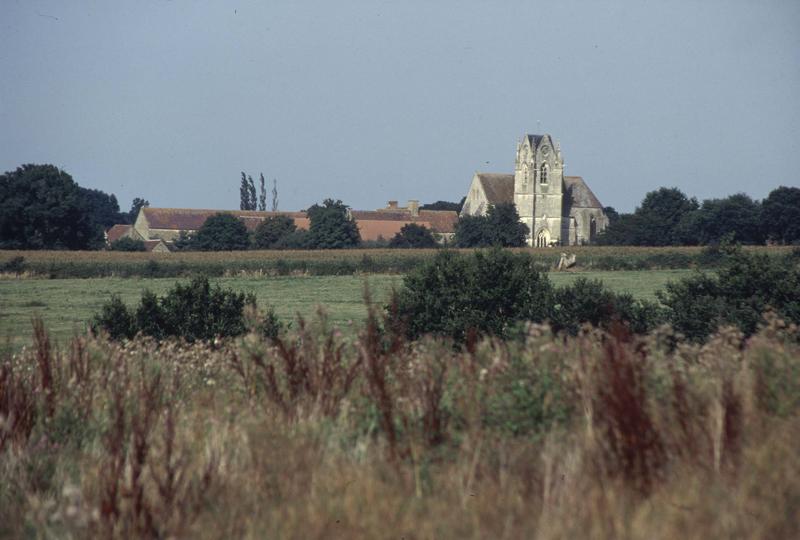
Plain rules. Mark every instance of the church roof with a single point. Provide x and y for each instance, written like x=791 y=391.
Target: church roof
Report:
x=534 y=139
x=499 y=188
x=580 y=194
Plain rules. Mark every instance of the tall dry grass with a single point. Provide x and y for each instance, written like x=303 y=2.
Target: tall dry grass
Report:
x=316 y=435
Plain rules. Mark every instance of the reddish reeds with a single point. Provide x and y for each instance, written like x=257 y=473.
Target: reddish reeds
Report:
x=378 y=437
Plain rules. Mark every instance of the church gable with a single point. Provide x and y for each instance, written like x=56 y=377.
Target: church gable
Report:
x=579 y=194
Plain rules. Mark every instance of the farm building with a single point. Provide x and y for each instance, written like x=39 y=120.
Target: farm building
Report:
x=167 y=223
x=120 y=231
x=558 y=209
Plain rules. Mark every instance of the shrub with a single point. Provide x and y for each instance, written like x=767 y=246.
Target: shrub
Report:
x=589 y=301
x=490 y=292
x=127 y=244
x=413 y=235
x=15 y=265
x=222 y=232
x=486 y=291
x=298 y=239
x=272 y=230
x=116 y=319
x=745 y=287
x=195 y=311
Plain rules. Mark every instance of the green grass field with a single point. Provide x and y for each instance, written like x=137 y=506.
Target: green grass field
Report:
x=66 y=304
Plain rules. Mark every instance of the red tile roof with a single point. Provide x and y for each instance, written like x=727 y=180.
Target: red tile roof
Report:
x=117 y=231
x=190 y=219
x=371 y=223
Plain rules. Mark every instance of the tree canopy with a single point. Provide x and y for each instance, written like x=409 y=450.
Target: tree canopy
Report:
x=668 y=217
x=42 y=207
x=499 y=227
x=222 y=232
x=413 y=235
x=332 y=227
x=444 y=205
x=271 y=231
x=781 y=215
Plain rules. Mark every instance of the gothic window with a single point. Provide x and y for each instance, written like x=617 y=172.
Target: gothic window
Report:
x=525 y=175
x=543 y=238
x=543 y=174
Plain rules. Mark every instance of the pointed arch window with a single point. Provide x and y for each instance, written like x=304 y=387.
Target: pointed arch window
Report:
x=543 y=171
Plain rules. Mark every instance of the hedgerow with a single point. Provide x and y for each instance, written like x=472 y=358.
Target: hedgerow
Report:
x=65 y=264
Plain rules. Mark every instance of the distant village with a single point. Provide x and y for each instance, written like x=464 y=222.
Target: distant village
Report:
x=159 y=228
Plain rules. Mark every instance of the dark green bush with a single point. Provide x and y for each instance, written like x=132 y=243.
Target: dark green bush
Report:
x=116 y=319
x=273 y=230
x=490 y=292
x=15 y=265
x=127 y=244
x=487 y=291
x=745 y=287
x=589 y=301
x=413 y=235
x=195 y=311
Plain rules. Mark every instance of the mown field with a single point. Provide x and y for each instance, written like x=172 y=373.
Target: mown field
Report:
x=75 y=264
x=66 y=304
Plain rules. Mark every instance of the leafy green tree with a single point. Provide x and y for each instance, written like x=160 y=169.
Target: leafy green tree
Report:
x=298 y=239
x=654 y=223
x=244 y=194
x=499 y=227
x=611 y=214
x=472 y=231
x=781 y=215
x=252 y=200
x=103 y=208
x=331 y=226
x=41 y=207
x=247 y=193
x=137 y=204
x=444 y=205
x=262 y=195
x=505 y=228
x=737 y=215
x=270 y=231
x=413 y=235
x=127 y=244
x=222 y=232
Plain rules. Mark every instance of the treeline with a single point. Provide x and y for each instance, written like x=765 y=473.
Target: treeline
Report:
x=42 y=207
x=667 y=217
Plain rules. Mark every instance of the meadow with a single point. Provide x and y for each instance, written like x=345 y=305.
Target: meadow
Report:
x=65 y=305
x=324 y=435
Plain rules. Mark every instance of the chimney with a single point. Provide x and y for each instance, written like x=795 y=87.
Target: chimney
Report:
x=391 y=205
x=413 y=207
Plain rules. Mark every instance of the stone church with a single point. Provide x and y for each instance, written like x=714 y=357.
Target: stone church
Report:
x=558 y=209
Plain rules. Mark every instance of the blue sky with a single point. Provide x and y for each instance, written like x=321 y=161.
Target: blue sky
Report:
x=368 y=101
